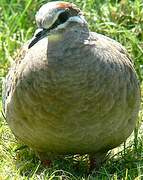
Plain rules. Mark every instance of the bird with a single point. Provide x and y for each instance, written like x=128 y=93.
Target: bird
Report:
x=70 y=90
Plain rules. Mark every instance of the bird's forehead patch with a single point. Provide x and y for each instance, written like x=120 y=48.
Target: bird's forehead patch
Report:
x=66 y=5
x=63 y=5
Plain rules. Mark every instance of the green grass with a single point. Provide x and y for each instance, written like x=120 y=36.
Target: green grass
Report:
x=122 y=21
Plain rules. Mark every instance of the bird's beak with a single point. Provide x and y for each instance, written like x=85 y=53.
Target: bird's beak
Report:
x=39 y=34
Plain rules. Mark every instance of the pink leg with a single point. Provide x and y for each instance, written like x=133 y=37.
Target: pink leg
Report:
x=46 y=163
x=96 y=160
x=46 y=158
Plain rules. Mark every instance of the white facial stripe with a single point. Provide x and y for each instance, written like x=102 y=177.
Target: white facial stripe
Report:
x=80 y=19
x=47 y=14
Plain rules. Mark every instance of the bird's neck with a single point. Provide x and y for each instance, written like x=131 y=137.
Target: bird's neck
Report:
x=66 y=40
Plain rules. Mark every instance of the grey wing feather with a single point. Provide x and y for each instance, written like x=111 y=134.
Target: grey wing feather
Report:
x=113 y=43
x=3 y=95
x=9 y=80
x=6 y=88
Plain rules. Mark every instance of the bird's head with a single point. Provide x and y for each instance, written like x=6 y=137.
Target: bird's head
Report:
x=56 y=16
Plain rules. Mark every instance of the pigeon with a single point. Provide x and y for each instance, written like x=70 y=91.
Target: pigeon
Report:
x=70 y=90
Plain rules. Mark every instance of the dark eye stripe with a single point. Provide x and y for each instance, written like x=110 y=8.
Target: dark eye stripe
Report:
x=62 y=18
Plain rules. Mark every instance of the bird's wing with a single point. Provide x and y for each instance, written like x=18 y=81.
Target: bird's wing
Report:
x=110 y=43
x=7 y=85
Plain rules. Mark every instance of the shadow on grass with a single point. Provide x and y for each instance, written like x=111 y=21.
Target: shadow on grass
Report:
x=127 y=163
x=72 y=166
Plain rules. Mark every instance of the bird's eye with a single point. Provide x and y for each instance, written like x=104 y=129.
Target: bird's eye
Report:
x=63 y=17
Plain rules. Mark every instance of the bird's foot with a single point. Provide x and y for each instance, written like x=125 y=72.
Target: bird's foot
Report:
x=93 y=164
x=46 y=158
x=46 y=162
x=96 y=160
